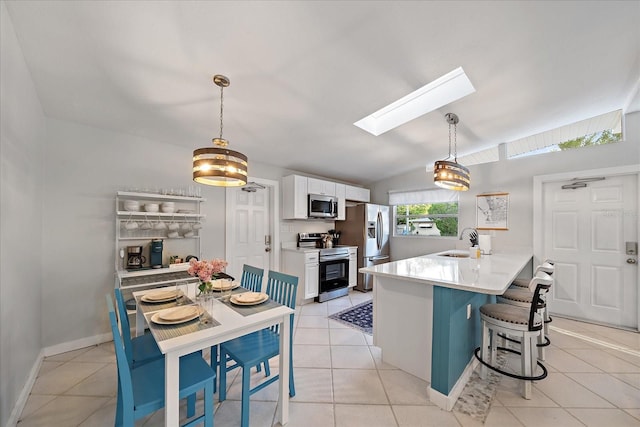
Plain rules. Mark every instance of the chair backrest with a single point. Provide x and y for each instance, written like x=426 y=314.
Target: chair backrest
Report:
x=547 y=266
x=539 y=285
x=282 y=288
x=124 y=371
x=124 y=325
x=252 y=278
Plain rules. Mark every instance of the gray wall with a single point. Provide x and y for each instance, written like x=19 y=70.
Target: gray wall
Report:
x=22 y=141
x=512 y=176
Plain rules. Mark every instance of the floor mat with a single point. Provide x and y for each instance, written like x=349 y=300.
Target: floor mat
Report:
x=359 y=316
x=478 y=393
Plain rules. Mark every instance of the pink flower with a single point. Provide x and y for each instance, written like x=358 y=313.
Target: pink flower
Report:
x=205 y=270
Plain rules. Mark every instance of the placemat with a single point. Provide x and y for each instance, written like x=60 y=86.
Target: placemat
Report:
x=165 y=332
x=149 y=307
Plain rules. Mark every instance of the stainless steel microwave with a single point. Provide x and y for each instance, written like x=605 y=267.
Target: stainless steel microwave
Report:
x=322 y=206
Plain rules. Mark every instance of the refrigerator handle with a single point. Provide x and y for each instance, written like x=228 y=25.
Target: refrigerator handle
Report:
x=379 y=231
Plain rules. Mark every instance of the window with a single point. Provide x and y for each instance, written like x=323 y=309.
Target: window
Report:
x=425 y=213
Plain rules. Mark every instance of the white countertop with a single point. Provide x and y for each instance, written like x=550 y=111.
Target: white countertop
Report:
x=490 y=274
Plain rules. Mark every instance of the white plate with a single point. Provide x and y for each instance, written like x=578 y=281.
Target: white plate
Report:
x=237 y=299
x=216 y=287
x=178 y=313
x=155 y=318
x=186 y=211
x=161 y=296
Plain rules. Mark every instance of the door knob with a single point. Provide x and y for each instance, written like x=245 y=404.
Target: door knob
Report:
x=267 y=249
x=632 y=261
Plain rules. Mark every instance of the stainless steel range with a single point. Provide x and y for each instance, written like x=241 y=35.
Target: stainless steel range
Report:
x=333 y=281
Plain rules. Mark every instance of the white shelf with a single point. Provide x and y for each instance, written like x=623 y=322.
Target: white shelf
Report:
x=157 y=196
x=142 y=214
x=163 y=237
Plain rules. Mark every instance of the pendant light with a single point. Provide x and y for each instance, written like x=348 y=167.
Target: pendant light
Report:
x=219 y=165
x=451 y=174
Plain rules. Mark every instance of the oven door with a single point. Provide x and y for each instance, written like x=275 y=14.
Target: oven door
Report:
x=334 y=274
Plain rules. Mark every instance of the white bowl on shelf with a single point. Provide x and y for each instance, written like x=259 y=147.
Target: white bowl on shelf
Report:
x=131 y=205
x=167 y=209
x=151 y=207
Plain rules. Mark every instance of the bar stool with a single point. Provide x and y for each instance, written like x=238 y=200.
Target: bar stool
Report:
x=547 y=266
x=511 y=320
x=523 y=297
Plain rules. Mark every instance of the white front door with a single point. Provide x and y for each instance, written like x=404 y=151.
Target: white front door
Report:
x=248 y=229
x=585 y=231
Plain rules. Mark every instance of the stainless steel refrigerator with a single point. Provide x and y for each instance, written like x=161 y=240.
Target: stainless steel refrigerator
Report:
x=367 y=227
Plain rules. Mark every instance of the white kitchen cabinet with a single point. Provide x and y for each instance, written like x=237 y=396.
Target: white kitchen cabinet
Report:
x=311 y=279
x=294 y=197
x=357 y=194
x=341 y=195
x=320 y=186
x=353 y=266
x=305 y=265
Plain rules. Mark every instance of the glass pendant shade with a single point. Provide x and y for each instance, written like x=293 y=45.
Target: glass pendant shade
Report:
x=218 y=165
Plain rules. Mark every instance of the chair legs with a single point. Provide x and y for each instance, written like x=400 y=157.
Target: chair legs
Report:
x=491 y=335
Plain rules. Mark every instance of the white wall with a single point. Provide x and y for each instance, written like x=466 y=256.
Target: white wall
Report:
x=85 y=167
x=22 y=139
x=512 y=176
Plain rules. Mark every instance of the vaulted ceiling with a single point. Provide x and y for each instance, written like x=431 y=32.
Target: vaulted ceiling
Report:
x=302 y=72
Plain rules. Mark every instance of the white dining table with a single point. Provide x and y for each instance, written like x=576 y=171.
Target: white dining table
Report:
x=231 y=325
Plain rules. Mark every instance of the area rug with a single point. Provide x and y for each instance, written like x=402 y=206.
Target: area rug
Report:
x=359 y=316
x=478 y=393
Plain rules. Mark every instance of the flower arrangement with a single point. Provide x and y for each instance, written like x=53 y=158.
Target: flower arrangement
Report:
x=206 y=271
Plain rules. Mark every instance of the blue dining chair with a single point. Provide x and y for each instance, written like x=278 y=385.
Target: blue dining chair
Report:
x=252 y=280
x=258 y=347
x=139 y=350
x=141 y=390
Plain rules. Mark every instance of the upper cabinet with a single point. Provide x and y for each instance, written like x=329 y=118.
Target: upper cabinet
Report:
x=296 y=188
x=320 y=186
x=341 y=192
x=357 y=194
x=294 y=197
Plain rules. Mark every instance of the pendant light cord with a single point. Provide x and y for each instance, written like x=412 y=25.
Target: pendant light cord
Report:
x=221 y=108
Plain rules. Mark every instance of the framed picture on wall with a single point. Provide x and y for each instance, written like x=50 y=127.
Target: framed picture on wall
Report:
x=492 y=211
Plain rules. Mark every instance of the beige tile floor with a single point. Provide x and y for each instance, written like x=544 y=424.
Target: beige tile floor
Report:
x=341 y=381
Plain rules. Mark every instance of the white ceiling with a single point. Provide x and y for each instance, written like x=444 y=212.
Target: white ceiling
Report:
x=303 y=72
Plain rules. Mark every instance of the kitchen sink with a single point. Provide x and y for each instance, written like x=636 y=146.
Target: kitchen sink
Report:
x=455 y=254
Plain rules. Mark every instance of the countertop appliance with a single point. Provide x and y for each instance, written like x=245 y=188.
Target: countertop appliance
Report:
x=134 y=257
x=155 y=253
x=322 y=206
x=333 y=281
x=367 y=227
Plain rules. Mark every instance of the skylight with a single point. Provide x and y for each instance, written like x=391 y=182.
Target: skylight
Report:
x=442 y=91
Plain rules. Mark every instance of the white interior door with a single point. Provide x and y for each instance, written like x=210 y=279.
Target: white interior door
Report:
x=584 y=232
x=248 y=229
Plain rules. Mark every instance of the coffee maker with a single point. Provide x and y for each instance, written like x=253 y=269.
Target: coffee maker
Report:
x=155 y=253
x=134 y=257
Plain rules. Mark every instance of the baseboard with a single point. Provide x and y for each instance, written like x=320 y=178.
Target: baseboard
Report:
x=46 y=352
x=26 y=390
x=446 y=401
x=77 y=344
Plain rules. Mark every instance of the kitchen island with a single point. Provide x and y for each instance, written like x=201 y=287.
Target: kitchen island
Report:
x=426 y=313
